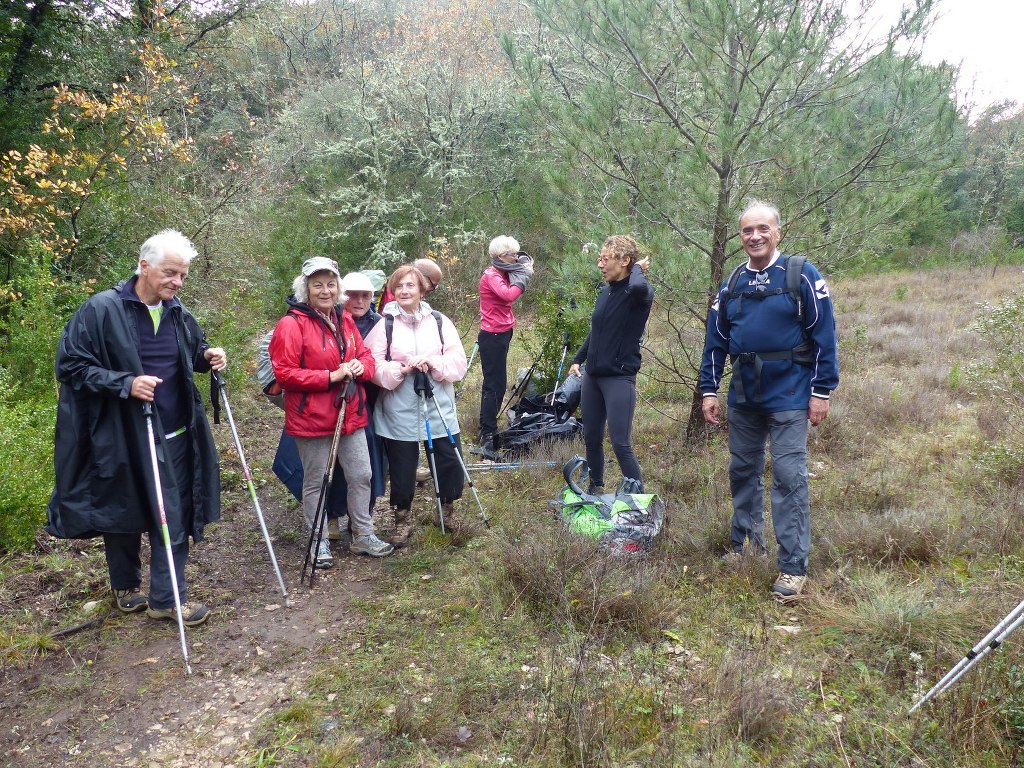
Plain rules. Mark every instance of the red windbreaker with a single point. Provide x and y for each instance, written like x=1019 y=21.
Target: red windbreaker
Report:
x=303 y=352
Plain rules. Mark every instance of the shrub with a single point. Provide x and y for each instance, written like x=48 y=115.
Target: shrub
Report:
x=26 y=453
x=572 y=581
x=33 y=311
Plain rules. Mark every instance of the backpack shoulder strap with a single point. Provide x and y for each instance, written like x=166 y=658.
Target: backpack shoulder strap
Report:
x=440 y=333
x=389 y=330
x=794 y=271
x=733 y=279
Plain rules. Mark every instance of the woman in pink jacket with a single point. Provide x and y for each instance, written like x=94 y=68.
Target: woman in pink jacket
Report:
x=411 y=338
x=501 y=284
x=316 y=350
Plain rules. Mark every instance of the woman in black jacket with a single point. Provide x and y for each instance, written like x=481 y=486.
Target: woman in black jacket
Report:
x=612 y=355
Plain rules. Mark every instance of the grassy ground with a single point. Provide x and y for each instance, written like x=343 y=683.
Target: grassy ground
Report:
x=526 y=646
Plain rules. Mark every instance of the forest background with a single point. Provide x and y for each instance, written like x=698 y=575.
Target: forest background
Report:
x=380 y=131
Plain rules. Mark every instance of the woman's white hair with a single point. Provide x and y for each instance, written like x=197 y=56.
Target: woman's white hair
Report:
x=156 y=247
x=300 y=289
x=502 y=245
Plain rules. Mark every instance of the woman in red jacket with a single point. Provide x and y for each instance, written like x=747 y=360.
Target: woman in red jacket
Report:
x=315 y=351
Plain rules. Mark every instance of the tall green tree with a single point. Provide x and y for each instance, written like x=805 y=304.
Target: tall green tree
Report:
x=670 y=114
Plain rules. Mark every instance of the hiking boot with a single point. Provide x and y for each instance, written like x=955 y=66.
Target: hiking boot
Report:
x=192 y=614
x=788 y=587
x=130 y=600
x=422 y=475
x=403 y=527
x=747 y=555
x=369 y=544
x=322 y=557
x=595 y=489
x=337 y=527
x=629 y=485
x=448 y=508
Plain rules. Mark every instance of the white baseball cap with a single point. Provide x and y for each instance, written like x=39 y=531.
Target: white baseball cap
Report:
x=356 y=281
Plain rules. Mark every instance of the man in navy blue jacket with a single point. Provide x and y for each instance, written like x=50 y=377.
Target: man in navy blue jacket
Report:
x=781 y=340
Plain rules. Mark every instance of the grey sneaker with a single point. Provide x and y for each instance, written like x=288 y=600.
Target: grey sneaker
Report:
x=130 y=600
x=788 y=587
x=192 y=614
x=369 y=544
x=322 y=556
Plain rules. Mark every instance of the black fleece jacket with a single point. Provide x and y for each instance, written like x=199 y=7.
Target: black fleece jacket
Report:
x=612 y=348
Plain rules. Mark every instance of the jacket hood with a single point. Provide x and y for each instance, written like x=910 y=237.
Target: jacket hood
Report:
x=392 y=308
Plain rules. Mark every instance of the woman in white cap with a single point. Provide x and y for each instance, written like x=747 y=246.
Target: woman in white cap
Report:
x=315 y=351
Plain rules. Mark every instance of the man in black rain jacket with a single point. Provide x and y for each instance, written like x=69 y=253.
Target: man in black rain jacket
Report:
x=125 y=346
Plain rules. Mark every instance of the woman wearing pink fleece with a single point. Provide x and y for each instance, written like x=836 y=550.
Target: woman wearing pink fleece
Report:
x=419 y=339
x=501 y=284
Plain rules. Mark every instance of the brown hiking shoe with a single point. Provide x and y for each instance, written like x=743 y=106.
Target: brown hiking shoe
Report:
x=403 y=527
x=130 y=600
x=787 y=587
x=192 y=614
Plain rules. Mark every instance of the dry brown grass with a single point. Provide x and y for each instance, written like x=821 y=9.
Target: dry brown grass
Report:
x=572 y=581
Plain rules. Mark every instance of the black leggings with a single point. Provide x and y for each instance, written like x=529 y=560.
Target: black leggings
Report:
x=610 y=399
x=494 y=363
x=403 y=458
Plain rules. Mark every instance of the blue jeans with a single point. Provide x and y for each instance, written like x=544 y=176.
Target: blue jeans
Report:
x=786 y=432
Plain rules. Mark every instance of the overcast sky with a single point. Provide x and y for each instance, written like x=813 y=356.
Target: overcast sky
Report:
x=983 y=37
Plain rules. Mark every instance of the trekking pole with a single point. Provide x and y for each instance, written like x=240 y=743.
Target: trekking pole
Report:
x=561 y=365
x=220 y=384
x=520 y=388
x=147 y=408
x=990 y=642
x=485 y=466
x=469 y=365
x=421 y=385
x=316 y=531
x=428 y=387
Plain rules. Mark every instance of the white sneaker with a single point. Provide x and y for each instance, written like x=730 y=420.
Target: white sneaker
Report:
x=369 y=544
x=322 y=556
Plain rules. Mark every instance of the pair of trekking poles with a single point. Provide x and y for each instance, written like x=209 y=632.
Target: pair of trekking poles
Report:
x=216 y=384
x=424 y=388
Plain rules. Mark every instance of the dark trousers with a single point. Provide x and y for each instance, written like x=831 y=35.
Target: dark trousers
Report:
x=124 y=559
x=494 y=364
x=404 y=456
x=611 y=400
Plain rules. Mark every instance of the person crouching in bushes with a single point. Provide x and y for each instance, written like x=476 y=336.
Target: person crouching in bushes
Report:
x=413 y=338
x=503 y=282
x=316 y=351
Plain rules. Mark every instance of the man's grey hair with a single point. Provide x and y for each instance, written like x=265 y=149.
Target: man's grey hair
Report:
x=761 y=204
x=156 y=247
x=502 y=245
